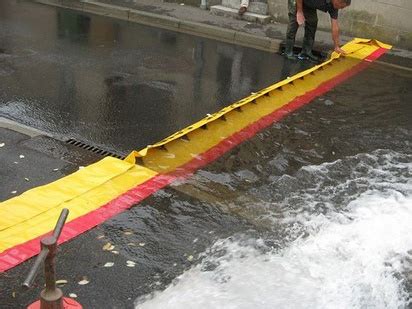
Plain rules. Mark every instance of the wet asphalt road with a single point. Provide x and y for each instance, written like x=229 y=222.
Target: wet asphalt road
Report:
x=369 y=112
x=117 y=85
x=233 y=196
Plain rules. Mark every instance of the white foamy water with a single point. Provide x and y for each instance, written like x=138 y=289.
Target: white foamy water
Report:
x=354 y=257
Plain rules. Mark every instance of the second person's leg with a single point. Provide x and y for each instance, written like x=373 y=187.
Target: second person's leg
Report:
x=244 y=4
x=311 y=25
x=292 y=29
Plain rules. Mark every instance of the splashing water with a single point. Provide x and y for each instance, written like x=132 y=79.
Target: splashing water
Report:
x=356 y=255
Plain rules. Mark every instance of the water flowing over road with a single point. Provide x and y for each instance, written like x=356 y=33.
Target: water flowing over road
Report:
x=328 y=193
x=313 y=212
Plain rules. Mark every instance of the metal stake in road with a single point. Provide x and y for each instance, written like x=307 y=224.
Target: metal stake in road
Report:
x=51 y=297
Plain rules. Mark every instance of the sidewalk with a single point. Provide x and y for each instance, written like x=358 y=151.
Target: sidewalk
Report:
x=274 y=30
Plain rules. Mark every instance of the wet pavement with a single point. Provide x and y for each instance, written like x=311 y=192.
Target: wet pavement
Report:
x=263 y=196
x=30 y=160
x=104 y=81
x=233 y=226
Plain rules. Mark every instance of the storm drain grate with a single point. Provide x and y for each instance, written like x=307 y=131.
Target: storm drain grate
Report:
x=95 y=150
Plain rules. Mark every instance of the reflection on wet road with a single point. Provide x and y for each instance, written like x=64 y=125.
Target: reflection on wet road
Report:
x=314 y=211
x=118 y=85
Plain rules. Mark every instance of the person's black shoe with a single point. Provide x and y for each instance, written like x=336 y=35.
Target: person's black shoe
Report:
x=309 y=56
x=288 y=51
x=289 y=55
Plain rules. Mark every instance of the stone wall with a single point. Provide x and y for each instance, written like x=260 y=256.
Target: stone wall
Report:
x=386 y=20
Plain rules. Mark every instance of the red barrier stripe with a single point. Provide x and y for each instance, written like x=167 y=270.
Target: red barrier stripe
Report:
x=18 y=254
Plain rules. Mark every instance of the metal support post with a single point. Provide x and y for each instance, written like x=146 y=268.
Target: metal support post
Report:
x=51 y=297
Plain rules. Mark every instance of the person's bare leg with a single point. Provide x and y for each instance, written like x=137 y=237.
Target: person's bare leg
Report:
x=243 y=6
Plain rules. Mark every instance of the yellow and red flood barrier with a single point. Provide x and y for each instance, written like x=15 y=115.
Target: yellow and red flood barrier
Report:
x=110 y=186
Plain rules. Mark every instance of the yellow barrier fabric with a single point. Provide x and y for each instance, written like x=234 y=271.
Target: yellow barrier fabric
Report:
x=34 y=213
x=104 y=189
x=270 y=99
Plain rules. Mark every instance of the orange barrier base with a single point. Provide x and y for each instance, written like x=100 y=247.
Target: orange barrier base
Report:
x=68 y=303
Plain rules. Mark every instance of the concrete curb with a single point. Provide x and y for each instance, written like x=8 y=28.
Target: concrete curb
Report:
x=169 y=23
x=221 y=10
x=21 y=128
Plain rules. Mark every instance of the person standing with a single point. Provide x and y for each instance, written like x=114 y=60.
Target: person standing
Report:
x=305 y=11
x=244 y=4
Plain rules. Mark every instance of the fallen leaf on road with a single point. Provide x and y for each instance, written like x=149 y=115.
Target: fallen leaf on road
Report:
x=115 y=252
x=13 y=192
x=190 y=258
x=130 y=264
x=72 y=295
x=61 y=282
x=84 y=281
x=2 y=144
x=142 y=244
x=108 y=264
x=21 y=156
x=26 y=179
x=108 y=247
x=128 y=233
